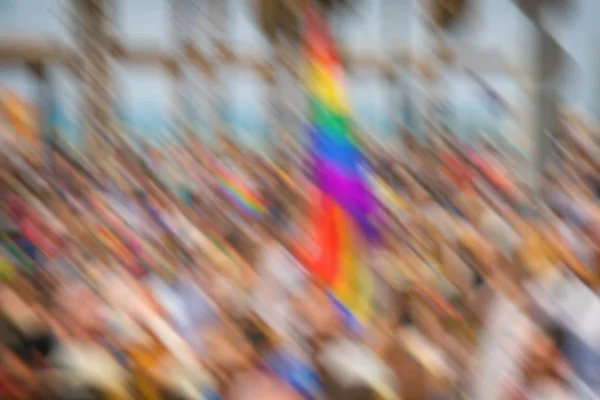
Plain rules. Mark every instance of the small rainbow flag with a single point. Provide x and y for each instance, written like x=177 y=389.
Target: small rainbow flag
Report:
x=240 y=194
x=438 y=302
x=342 y=203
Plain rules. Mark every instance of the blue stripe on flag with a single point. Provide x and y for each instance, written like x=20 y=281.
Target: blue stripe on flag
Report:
x=350 y=321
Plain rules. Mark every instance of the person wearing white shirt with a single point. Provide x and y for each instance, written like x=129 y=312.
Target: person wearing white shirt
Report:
x=569 y=304
x=280 y=278
x=350 y=364
x=508 y=332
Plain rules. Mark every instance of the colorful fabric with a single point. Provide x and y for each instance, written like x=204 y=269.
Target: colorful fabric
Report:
x=456 y=171
x=342 y=201
x=24 y=251
x=240 y=194
x=7 y=269
x=352 y=324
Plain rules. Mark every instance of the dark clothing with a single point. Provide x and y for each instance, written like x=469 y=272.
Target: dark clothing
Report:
x=23 y=345
x=27 y=348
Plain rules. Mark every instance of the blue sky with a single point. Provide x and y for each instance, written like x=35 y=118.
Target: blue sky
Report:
x=378 y=25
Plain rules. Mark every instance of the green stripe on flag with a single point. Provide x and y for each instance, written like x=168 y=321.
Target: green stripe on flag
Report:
x=329 y=123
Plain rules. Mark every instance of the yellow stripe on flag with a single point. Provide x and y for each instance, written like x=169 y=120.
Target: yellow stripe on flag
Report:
x=353 y=285
x=327 y=88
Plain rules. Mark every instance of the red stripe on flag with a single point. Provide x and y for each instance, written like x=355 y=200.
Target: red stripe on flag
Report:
x=318 y=44
x=322 y=260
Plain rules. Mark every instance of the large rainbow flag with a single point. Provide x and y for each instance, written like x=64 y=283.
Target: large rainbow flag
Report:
x=342 y=202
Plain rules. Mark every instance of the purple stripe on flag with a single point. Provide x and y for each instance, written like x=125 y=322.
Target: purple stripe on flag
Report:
x=349 y=191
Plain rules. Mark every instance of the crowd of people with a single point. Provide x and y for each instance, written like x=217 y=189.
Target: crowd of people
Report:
x=138 y=278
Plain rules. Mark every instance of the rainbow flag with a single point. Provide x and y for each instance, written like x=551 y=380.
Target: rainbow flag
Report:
x=240 y=194
x=342 y=202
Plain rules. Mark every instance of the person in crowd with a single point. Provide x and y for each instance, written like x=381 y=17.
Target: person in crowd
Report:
x=280 y=279
x=222 y=307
